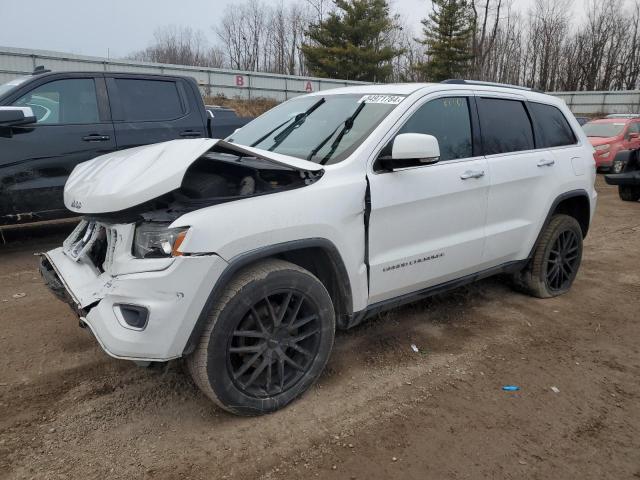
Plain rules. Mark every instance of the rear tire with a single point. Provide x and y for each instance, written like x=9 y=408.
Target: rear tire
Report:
x=556 y=259
x=629 y=193
x=267 y=339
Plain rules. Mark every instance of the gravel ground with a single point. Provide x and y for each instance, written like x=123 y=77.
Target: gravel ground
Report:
x=381 y=410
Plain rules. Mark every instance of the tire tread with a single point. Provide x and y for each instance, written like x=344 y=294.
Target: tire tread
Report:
x=629 y=193
x=530 y=280
x=197 y=361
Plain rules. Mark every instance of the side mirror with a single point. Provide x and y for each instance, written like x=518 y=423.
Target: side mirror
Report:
x=14 y=116
x=634 y=136
x=412 y=149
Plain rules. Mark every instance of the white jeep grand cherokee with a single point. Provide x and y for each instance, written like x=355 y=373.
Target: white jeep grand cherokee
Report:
x=244 y=255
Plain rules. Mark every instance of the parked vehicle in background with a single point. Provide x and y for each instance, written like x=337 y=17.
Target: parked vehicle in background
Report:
x=623 y=115
x=610 y=136
x=225 y=120
x=628 y=180
x=583 y=120
x=243 y=256
x=50 y=122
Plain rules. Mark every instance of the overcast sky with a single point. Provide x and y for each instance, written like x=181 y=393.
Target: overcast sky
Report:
x=119 y=27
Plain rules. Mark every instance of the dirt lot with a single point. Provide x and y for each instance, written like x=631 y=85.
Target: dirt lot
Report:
x=67 y=410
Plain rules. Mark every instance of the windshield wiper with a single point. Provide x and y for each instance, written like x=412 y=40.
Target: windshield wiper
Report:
x=346 y=126
x=270 y=132
x=296 y=119
x=299 y=120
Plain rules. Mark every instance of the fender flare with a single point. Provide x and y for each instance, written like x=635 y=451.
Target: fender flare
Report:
x=560 y=198
x=244 y=259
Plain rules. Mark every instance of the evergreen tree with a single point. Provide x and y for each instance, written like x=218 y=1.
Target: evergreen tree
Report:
x=353 y=43
x=447 y=36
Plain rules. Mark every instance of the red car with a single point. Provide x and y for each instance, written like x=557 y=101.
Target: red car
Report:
x=610 y=135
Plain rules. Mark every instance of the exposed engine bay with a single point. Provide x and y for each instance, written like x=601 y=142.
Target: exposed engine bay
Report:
x=218 y=176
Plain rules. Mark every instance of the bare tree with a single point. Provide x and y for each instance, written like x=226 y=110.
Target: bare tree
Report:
x=180 y=46
x=405 y=65
x=631 y=62
x=548 y=29
x=320 y=9
x=286 y=28
x=263 y=37
x=544 y=48
x=485 y=27
x=505 y=61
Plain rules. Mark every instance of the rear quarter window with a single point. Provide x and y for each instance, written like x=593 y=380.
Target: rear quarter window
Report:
x=553 y=126
x=505 y=126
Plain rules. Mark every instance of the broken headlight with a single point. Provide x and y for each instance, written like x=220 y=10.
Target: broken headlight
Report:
x=156 y=240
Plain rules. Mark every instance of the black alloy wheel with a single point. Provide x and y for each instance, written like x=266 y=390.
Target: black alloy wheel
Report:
x=267 y=338
x=555 y=259
x=274 y=344
x=617 y=167
x=563 y=261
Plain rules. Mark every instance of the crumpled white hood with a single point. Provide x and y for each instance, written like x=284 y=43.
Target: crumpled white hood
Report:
x=127 y=178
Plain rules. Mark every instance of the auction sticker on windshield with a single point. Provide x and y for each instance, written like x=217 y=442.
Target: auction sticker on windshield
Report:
x=388 y=99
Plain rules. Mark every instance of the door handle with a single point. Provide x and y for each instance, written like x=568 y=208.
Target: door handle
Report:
x=94 y=137
x=190 y=134
x=472 y=174
x=547 y=162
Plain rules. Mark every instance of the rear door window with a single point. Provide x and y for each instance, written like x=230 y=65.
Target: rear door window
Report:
x=505 y=126
x=149 y=100
x=553 y=126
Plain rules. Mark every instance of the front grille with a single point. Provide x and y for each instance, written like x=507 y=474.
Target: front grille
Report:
x=98 y=252
x=94 y=242
x=111 y=236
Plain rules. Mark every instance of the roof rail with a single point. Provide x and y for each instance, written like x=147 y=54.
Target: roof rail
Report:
x=459 y=81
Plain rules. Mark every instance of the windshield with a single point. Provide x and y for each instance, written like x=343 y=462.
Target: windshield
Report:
x=10 y=85
x=593 y=129
x=322 y=129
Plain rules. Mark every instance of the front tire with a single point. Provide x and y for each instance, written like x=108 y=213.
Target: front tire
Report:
x=616 y=167
x=629 y=193
x=267 y=340
x=556 y=259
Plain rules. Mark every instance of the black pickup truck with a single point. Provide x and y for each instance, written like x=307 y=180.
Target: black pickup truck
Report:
x=50 y=122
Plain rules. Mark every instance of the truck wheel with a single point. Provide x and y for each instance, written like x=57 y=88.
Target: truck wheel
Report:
x=617 y=167
x=267 y=339
x=556 y=259
x=629 y=193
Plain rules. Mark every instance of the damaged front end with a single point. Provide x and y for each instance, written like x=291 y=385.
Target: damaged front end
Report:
x=122 y=269
x=220 y=177
x=166 y=180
